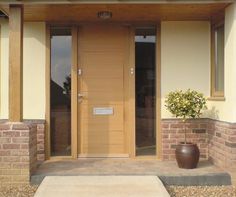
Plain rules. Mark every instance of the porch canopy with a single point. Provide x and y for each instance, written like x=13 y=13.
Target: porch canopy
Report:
x=122 y=10
x=84 y=11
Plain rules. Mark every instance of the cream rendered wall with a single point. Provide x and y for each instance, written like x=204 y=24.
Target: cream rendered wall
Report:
x=185 y=62
x=33 y=70
x=4 y=69
x=185 y=58
x=226 y=110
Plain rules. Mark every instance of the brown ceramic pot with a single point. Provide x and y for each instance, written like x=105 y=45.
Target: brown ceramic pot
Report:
x=187 y=155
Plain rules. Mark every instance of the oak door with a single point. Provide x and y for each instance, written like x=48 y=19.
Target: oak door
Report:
x=102 y=84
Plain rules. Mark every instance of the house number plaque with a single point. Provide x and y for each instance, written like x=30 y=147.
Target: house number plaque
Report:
x=103 y=111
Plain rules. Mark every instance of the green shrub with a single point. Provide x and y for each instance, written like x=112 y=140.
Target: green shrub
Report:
x=184 y=105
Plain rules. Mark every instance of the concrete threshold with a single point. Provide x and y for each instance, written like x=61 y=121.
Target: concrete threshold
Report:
x=102 y=186
x=168 y=172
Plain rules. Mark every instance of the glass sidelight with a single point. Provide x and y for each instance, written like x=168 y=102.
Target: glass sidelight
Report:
x=145 y=86
x=60 y=91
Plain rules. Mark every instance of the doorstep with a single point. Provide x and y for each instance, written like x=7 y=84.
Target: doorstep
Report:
x=167 y=171
x=102 y=186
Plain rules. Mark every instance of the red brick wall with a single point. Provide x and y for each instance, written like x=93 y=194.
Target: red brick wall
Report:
x=40 y=142
x=17 y=152
x=40 y=126
x=22 y=145
x=173 y=133
x=215 y=139
x=222 y=143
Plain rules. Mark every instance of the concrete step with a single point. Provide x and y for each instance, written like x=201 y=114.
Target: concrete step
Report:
x=102 y=186
x=213 y=179
x=168 y=171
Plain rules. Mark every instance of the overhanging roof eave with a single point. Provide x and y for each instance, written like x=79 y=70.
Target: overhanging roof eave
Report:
x=7 y=2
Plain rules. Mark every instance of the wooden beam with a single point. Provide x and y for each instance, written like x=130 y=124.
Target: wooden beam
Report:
x=36 y=2
x=15 y=63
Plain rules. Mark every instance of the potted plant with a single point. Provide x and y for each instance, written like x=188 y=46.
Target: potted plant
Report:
x=185 y=105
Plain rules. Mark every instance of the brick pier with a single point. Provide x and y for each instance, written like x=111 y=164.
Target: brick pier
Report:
x=18 y=152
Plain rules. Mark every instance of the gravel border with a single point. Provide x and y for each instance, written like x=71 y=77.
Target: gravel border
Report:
x=174 y=191
x=18 y=191
x=202 y=191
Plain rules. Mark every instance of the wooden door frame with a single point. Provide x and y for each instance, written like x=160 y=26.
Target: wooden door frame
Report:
x=129 y=111
x=158 y=94
x=74 y=113
x=74 y=93
x=130 y=128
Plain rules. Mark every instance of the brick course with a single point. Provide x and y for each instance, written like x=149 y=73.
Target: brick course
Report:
x=18 y=152
x=40 y=125
x=40 y=142
x=22 y=145
x=173 y=133
x=222 y=143
x=215 y=139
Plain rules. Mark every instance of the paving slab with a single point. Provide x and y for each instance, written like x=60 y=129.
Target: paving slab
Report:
x=101 y=186
x=169 y=173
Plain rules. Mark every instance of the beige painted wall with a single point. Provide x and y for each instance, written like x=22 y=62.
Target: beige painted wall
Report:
x=185 y=58
x=34 y=70
x=226 y=110
x=4 y=69
x=185 y=62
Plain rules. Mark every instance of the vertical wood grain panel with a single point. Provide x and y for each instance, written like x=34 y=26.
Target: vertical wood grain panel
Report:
x=102 y=54
x=130 y=94
x=79 y=134
x=16 y=63
x=47 y=115
x=74 y=92
x=212 y=61
x=158 y=93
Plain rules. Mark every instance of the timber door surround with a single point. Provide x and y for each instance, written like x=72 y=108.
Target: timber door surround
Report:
x=105 y=88
x=109 y=86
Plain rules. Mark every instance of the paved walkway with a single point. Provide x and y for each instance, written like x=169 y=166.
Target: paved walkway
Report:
x=102 y=186
x=168 y=172
x=121 y=167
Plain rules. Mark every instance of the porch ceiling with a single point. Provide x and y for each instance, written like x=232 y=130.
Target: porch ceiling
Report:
x=121 y=12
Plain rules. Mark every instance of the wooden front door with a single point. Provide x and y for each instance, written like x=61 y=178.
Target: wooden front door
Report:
x=102 y=86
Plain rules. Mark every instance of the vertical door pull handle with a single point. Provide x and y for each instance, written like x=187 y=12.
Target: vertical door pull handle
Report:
x=79 y=71
x=131 y=71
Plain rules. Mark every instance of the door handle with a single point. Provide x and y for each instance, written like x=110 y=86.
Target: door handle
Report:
x=80 y=97
x=131 y=71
